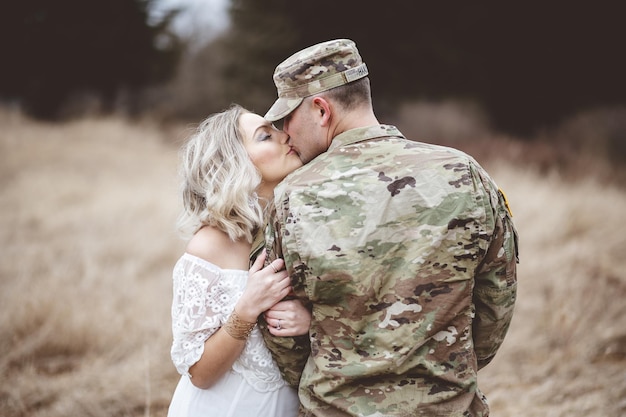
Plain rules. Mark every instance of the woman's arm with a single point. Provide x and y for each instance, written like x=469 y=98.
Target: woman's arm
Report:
x=264 y=289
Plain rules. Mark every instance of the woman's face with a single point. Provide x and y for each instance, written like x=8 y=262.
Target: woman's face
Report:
x=268 y=150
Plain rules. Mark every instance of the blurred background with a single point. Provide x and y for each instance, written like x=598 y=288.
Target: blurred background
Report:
x=530 y=71
x=527 y=67
x=96 y=97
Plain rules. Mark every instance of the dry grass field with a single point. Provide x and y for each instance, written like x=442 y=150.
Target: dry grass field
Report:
x=88 y=240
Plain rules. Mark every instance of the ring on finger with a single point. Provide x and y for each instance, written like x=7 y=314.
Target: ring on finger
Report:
x=273 y=268
x=278 y=326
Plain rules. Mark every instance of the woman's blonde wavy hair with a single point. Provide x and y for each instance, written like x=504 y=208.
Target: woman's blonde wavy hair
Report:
x=219 y=179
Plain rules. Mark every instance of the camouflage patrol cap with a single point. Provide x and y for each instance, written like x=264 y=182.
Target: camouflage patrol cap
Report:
x=313 y=70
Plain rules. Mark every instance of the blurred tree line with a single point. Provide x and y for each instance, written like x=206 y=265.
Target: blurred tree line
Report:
x=528 y=64
x=58 y=51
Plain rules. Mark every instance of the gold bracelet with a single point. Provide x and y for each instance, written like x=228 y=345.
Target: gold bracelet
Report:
x=237 y=328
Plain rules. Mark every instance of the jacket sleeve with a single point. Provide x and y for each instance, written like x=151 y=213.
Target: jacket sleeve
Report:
x=289 y=353
x=495 y=287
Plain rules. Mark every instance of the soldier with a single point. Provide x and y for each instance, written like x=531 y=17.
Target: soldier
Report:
x=405 y=251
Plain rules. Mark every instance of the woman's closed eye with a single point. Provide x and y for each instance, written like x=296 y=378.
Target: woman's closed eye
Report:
x=264 y=136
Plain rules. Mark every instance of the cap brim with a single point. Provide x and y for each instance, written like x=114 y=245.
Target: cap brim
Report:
x=281 y=108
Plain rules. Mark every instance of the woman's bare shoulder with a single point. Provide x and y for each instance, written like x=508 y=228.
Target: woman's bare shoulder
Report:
x=214 y=245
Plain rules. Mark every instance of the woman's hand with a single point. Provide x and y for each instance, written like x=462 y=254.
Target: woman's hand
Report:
x=265 y=287
x=288 y=318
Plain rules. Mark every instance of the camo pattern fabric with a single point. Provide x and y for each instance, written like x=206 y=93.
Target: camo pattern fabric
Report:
x=293 y=351
x=315 y=69
x=408 y=254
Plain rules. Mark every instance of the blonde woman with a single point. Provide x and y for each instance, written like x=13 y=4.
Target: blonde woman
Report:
x=230 y=167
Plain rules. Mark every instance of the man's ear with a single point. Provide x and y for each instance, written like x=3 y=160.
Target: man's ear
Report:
x=323 y=109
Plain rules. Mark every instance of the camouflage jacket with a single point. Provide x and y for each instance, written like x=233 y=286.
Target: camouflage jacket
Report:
x=408 y=254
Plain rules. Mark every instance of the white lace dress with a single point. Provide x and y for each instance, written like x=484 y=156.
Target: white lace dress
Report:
x=204 y=297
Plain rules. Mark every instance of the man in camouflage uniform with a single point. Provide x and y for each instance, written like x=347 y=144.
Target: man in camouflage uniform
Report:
x=405 y=250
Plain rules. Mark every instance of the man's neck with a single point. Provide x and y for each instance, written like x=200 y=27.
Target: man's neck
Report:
x=353 y=120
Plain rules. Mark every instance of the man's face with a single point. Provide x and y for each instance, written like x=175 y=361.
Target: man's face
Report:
x=304 y=131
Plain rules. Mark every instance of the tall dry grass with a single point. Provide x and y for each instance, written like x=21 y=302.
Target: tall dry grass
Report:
x=87 y=230
x=88 y=242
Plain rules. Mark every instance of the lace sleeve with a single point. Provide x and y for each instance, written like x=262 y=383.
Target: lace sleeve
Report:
x=201 y=304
